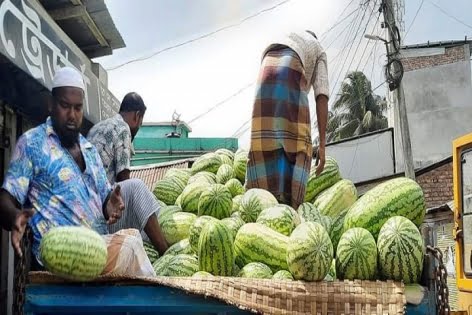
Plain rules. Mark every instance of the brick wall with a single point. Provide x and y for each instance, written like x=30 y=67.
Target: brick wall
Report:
x=436 y=184
x=453 y=54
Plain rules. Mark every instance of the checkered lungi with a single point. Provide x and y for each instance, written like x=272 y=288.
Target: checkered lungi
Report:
x=280 y=153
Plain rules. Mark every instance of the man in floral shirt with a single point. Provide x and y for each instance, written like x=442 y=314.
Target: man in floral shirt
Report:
x=56 y=178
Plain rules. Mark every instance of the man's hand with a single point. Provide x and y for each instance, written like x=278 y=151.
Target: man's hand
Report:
x=115 y=206
x=320 y=160
x=18 y=229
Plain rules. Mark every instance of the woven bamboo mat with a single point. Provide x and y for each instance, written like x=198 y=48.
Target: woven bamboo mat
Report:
x=274 y=297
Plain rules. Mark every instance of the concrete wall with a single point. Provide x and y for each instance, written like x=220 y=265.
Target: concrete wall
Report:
x=365 y=158
x=438 y=93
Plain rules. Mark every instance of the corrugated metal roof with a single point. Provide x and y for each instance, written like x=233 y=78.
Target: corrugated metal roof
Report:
x=151 y=174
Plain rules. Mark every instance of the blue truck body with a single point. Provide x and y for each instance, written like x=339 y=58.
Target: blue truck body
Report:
x=51 y=299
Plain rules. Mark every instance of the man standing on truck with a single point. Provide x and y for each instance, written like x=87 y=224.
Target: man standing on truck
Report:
x=280 y=154
x=56 y=178
x=113 y=137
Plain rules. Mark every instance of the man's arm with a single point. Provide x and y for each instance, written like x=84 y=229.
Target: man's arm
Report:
x=321 y=90
x=9 y=209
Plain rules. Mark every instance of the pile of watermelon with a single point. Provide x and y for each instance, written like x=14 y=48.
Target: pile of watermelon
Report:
x=218 y=228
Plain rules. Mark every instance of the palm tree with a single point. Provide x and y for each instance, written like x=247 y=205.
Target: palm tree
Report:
x=357 y=110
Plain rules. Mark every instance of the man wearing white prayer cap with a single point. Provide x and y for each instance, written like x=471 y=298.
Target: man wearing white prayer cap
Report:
x=56 y=178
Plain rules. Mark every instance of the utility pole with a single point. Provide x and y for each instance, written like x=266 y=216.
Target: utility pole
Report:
x=393 y=54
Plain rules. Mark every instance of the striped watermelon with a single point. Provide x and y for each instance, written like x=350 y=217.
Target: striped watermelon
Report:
x=176 y=226
x=236 y=203
x=178 y=201
x=255 y=270
x=328 y=177
x=196 y=230
x=160 y=203
x=225 y=152
x=309 y=252
x=73 y=252
x=224 y=174
x=236 y=270
x=337 y=229
x=216 y=249
x=235 y=187
x=151 y=252
x=240 y=164
x=181 y=247
x=216 y=201
x=356 y=255
x=182 y=174
x=234 y=224
x=253 y=202
x=337 y=199
x=203 y=176
x=202 y=274
x=279 y=218
x=168 y=189
x=236 y=214
x=182 y=265
x=401 y=250
x=258 y=243
x=164 y=211
x=308 y=212
x=191 y=195
x=282 y=275
x=160 y=265
x=209 y=162
x=396 y=197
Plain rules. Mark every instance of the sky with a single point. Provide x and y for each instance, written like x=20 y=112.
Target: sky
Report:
x=210 y=81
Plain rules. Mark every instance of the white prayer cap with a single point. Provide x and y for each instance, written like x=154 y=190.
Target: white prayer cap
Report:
x=68 y=76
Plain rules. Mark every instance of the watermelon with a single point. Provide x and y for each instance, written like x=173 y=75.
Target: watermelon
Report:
x=181 y=247
x=256 y=270
x=73 y=252
x=209 y=162
x=282 y=275
x=236 y=214
x=236 y=203
x=337 y=199
x=401 y=250
x=225 y=160
x=396 y=197
x=161 y=203
x=224 y=174
x=308 y=212
x=203 y=176
x=226 y=153
x=216 y=201
x=168 y=189
x=258 y=243
x=234 y=224
x=240 y=164
x=216 y=249
x=235 y=187
x=202 y=274
x=196 y=230
x=279 y=218
x=182 y=265
x=253 y=202
x=356 y=255
x=176 y=226
x=331 y=276
x=178 y=201
x=309 y=252
x=160 y=265
x=328 y=177
x=337 y=228
x=164 y=211
x=151 y=252
x=182 y=174
x=191 y=195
